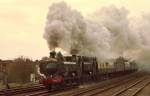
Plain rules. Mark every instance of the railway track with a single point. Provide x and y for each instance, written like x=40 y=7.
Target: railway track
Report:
x=53 y=92
x=98 y=90
x=134 y=89
x=14 y=91
x=128 y=87
x=101 y=85
x=39 y=93
x=50 y=92
x=108 y=91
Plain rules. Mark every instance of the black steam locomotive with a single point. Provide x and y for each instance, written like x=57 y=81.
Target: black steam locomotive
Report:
x=59 y=70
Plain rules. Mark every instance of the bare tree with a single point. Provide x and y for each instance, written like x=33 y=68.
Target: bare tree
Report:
x=20 y=70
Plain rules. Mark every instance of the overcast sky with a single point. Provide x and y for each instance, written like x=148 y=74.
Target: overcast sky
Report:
x=22 y=23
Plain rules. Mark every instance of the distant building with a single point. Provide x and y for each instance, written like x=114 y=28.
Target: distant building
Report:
x=4 y=70
x=4 y=64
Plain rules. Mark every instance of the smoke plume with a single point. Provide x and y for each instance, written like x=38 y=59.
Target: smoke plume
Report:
x=65 y=28
x=109 y=32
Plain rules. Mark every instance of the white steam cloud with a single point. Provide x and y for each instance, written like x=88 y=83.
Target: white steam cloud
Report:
x=108 y=33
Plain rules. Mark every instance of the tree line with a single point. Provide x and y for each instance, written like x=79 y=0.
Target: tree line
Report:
x=19 y=70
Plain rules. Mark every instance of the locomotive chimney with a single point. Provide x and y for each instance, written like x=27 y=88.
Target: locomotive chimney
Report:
x=52 y=54
x=74 y=52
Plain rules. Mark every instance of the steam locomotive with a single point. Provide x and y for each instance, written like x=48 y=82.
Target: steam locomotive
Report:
x=59 y=71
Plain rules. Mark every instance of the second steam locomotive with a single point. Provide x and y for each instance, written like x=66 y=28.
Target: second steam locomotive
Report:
x=59 y=70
